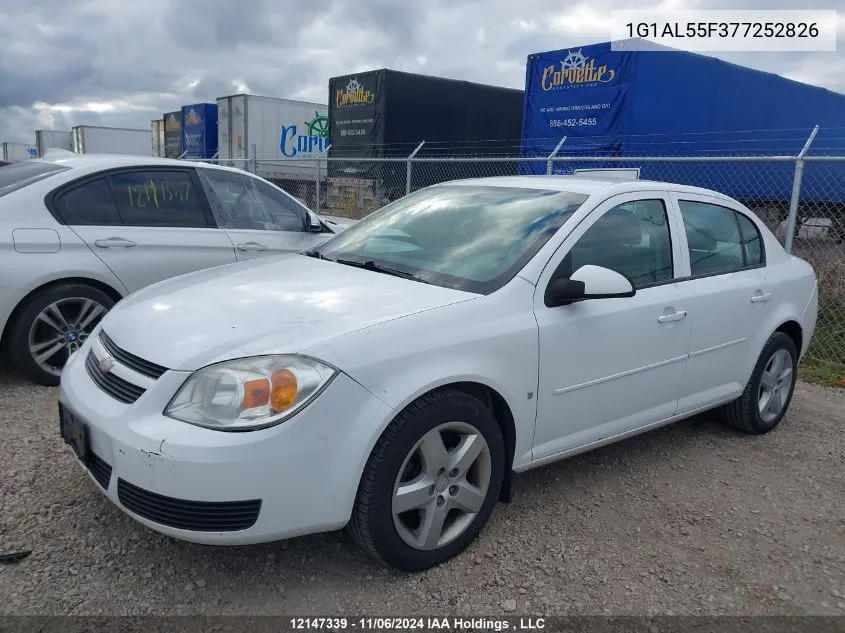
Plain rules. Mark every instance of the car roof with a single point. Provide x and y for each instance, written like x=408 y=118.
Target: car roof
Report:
x=586 y=186
x=575 y=184
x=104 y=161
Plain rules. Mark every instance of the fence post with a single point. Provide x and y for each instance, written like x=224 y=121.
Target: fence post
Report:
x=317 y=187
x=796 y=191
x=550 y=165
x=317 y=181
x=408 y=168
x=254 y=160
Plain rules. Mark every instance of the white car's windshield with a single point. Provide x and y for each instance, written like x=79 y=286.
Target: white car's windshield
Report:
x=468 y=237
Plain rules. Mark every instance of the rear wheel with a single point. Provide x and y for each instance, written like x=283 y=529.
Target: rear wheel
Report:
x=431 y=482
x=769 y=391
x=51 y=325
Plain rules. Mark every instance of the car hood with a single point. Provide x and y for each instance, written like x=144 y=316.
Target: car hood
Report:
x=271 y=305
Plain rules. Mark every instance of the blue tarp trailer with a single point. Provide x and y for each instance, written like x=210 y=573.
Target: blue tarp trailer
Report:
x=641 y=101
x=199 y=130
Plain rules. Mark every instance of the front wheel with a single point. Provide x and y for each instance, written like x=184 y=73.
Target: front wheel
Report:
x=769 y=390
x=431 y=482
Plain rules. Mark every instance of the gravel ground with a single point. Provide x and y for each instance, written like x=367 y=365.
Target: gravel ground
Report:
x=689 y=519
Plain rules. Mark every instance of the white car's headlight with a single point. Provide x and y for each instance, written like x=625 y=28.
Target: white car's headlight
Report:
x=249 y=393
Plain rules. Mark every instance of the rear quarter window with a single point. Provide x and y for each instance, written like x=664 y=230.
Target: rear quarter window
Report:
x=89 y=204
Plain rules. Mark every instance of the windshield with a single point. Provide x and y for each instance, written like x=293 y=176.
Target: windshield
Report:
x=473 y=238
x=17 y=175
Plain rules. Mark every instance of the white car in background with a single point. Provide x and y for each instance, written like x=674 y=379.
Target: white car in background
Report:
x=79 y=232
x=392 y=379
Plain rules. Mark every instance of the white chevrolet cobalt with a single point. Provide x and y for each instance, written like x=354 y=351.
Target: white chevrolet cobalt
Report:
x=394 y=378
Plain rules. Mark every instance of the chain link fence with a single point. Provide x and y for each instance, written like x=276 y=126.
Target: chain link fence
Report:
x=819 y=238
x=812 y=187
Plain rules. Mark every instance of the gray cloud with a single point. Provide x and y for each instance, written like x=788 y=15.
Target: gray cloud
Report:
x=124 y=63
x=213 y=24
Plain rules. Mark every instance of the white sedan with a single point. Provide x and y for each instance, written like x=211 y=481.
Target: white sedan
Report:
x=79 y=232
x=394 y=378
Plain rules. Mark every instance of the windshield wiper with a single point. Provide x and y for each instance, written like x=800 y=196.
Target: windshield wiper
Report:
x=371 y=265
x=316 y=255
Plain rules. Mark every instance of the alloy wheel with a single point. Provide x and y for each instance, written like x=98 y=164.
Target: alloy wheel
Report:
x=441 y=485
x=60 y=329
x=775 y=385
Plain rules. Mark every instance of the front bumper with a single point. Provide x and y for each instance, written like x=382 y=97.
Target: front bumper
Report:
x=226 y=488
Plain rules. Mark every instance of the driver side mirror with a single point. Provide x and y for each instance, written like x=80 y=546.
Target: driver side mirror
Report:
x=314 y=224
x=588 y=282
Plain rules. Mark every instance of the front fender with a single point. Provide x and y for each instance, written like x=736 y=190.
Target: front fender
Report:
x=491 y=341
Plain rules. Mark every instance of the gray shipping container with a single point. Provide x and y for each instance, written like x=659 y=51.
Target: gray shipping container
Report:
x=53 y=139
x=158 y=137
x=92 y=139
x=269 y=129
x=17 y=151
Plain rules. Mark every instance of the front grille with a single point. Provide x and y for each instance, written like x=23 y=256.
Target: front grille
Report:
x=116 y=387
x=131 y=361
x=100 y=469
x=198 y=516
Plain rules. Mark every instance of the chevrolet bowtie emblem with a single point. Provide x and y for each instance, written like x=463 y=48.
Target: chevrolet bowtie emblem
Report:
x=106 y=363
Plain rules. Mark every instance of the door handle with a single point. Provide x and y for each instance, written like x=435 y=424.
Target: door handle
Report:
x=676 y=316
x=760 y=297
x=252 y=247
x=115 y=242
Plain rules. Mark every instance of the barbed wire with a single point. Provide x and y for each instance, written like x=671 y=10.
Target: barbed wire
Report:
x=757 y=142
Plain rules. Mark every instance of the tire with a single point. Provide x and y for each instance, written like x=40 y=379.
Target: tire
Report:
x=27 y=328
x=387 y=537
x=745 y=413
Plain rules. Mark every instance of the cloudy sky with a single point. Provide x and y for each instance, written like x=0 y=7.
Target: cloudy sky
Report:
x=124 y=62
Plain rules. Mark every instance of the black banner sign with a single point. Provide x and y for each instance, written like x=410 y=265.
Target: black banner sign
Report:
x=356 y=114
x=173 y=134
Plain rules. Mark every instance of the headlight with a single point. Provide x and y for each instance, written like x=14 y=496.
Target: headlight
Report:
x=249 y=393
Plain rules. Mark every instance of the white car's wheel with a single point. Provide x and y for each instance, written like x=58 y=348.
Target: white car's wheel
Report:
x=769 y=391
x=430 y=483
x=51 y=325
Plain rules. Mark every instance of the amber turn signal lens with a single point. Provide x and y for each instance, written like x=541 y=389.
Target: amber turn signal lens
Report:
x=283 y=389
x=256 y=393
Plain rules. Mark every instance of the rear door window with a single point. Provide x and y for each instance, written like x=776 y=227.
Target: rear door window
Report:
x=713 y=238
x=158 y=198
